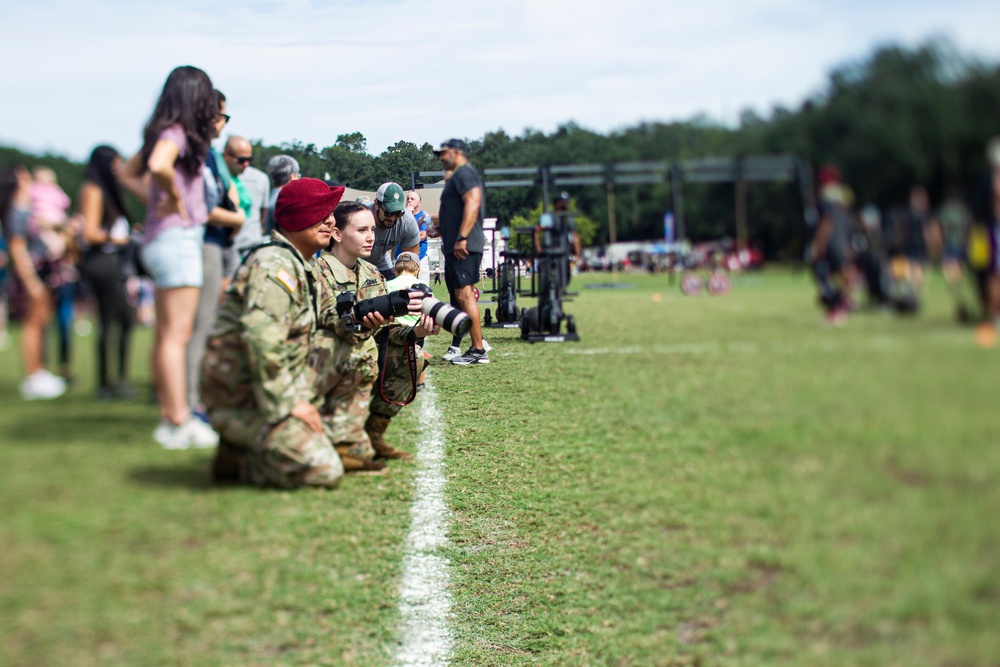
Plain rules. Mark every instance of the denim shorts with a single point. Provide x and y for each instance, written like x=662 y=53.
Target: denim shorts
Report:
x=173 y=258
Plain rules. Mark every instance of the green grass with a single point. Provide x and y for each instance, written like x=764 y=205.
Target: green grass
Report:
x=713 y=481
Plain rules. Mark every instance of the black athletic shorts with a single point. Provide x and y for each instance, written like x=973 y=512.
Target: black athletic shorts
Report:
x=462 y=272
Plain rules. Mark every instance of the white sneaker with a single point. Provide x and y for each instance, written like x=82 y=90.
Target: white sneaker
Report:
x=200 y=435
x=170 y=435
x=486 y=346
x=451 y=353
x=42 y=385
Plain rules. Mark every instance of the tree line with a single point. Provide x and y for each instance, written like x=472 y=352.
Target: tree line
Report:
x=898 y=117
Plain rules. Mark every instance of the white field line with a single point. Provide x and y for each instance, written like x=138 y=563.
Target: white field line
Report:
x=425 y=598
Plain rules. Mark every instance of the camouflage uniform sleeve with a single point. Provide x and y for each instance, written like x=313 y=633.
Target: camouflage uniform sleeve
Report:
x=269 y=320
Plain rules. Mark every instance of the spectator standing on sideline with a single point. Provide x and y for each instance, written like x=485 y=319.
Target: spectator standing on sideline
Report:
x=167 y=174
x=259 y=377
x=462 y=240
x=58 y=234
x=282 y=169
x=27 y=255
x=225 y=218
x=258 y=186
x=238 y=154
x=107 y=230
x=829 y=250
x=423 y=218
x=394 y=225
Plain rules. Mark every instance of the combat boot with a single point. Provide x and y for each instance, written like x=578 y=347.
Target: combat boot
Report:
x=375 y=427
x=226 y=464
x=355 y=466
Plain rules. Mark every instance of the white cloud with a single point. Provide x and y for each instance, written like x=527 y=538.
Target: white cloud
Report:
x=422 y=71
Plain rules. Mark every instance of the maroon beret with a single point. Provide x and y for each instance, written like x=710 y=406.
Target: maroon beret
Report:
x=304 y=202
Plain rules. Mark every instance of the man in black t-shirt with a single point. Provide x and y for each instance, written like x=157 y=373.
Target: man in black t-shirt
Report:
x=462 y=241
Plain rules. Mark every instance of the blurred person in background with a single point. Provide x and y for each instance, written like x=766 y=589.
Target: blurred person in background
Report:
x=49 y=206
x=921 y=233
x=282 y=169
x=869 y=254
x=954 y=219
x=167 y=174
x=829 y=250
x=225 y=218
x=30 y=269
x=423 y=218
x=258 y=186
x=106 y=230
x=987 y=213
x=58 y=233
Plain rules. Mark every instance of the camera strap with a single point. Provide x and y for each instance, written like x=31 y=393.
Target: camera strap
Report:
x=396 y=381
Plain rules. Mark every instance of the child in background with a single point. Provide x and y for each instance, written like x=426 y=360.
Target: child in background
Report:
x=407 y=269
x=49 y=204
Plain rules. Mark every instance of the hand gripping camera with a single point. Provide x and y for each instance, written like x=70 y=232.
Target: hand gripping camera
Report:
x=397 y=303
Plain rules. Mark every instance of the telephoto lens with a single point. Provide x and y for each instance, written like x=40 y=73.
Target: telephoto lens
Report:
x=448 y=318
x=387 y=305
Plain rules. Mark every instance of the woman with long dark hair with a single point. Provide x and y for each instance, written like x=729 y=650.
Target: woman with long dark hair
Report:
x=106 y=229
x=168 y=175
x=27 y=254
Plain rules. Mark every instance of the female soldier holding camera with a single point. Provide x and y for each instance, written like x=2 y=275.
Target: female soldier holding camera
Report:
x=353 y=362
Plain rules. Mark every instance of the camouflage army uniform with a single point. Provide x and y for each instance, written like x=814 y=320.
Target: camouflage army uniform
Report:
x=261 y=361
x=350 y=366
x=348 y=362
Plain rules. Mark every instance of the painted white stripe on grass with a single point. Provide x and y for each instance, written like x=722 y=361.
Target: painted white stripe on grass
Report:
x=425 y=600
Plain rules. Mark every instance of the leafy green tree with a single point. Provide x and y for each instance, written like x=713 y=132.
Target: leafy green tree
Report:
x=401 y=160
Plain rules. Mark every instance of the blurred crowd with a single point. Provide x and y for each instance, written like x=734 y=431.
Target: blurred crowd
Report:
x=880 y=256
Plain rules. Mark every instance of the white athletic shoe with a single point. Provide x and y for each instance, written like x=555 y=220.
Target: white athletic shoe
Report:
x=451 y=353
x=42 y=385
x=192 y=433
x=170 y=435
x=200 y=434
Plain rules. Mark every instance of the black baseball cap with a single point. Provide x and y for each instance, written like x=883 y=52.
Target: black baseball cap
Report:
x=457 y=144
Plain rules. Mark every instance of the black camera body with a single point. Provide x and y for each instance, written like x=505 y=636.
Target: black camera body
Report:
x=397 y=303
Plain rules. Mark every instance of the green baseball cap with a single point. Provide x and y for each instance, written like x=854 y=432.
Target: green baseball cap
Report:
x=392 y=197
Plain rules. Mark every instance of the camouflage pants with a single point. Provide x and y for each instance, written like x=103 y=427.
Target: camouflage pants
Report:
x=344 y=388
x=287 y=455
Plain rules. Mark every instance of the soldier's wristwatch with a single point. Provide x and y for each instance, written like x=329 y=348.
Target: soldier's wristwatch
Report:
x=461 y=238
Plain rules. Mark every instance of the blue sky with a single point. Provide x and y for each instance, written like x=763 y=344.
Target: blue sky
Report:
x=83 y=73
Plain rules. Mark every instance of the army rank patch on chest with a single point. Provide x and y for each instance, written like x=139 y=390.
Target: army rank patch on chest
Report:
x=287 y=280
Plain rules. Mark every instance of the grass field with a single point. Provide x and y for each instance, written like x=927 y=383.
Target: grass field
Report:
x=698 y=481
